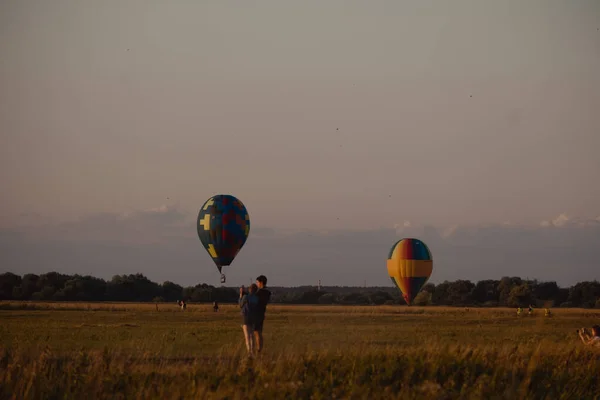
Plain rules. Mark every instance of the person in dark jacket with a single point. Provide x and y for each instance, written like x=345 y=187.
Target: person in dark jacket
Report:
x=264 y=296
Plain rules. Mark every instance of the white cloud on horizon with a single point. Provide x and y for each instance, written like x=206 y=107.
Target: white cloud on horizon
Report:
x=559 y=221
x=563 y=220
x=172 y=215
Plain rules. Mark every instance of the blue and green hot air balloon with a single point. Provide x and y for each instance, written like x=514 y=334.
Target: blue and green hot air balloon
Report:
x=223 y=227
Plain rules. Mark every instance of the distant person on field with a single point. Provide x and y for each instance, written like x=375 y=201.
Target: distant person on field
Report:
x=593 y=339
x=249 y=308
x=530 y=311
x=215 y=306
x=548 y=313
x=264 y=296
x=519 y=311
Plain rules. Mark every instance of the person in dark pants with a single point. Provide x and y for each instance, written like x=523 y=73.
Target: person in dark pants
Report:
x=264 y=296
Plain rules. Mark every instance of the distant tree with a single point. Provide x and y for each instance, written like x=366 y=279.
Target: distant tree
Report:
x=430 y=287
x=47 y=293
x=29 y=285
x=132 y=288
x=511 y=291
x=327 y=298
x=309 y=297
x=204 y=293
x=563 y=296
x=459 y=292
x=201 y=295
x=380 y=297
x=187 y=292
x=354 y=299
x=585 y=294
x=17 y=293
x=8 y=281
x=37 y=296
x=171 y=291
x=52 y=280
x=284 y=297
x=440 y=295
x=83 y=288
x=505 y=285
x=423 y=299
x=546 y=293
x=486 y=292
x=225 y=295
x=120 y=288
x=520 y=296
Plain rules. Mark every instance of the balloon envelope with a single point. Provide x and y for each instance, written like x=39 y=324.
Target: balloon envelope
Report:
x=223 y=227
x=409 y=266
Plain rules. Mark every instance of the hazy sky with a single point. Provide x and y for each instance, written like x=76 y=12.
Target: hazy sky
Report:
x=319 y=115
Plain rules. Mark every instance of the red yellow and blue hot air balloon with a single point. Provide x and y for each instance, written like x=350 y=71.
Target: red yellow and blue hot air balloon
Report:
x=409 y=265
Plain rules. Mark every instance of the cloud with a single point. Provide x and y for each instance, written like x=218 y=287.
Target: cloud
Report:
x=142 y=227
x=262 y=231
x=406 y=228
x=559 y=221
x=449 y=231
x=162 y=243
x=563 y=220
x=160 y=210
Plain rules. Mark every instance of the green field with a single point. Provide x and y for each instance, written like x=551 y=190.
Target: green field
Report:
x=134 y=351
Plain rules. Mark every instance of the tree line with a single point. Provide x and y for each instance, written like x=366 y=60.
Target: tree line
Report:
x=506 y=292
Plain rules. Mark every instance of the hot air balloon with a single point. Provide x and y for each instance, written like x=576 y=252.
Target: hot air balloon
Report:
x=409 y=265
x=223 y=227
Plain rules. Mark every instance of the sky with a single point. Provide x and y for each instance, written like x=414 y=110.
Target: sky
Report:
x=341 y=125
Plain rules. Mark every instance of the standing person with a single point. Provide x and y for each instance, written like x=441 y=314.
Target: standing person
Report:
x=264 y=296
x=215 y=306
x=249 y=307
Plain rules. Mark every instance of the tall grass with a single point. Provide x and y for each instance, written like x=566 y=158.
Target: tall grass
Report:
x=311 y=352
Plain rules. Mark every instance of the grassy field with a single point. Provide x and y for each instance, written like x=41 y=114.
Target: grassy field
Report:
x=136 y=351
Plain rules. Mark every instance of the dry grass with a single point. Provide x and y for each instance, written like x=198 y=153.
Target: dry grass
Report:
x=133 y=351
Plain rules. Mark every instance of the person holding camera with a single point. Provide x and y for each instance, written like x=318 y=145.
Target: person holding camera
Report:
x=249 y=303
x=591 y=340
